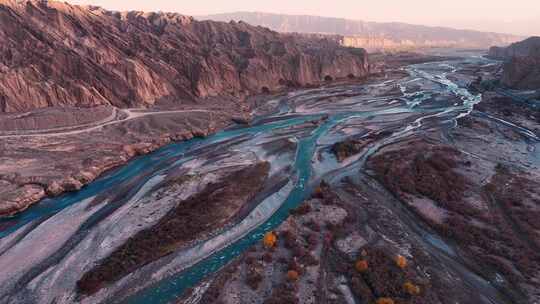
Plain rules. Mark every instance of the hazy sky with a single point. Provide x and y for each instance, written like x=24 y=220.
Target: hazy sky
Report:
x=517 y=16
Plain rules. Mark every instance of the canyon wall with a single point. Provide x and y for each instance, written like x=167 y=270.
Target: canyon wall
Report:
x=56 y=54
x=373 y=36
x=527 y=47
x=522 y=64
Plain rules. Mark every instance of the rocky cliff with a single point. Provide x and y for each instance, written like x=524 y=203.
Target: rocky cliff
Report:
x=527 y=47
x=53 y=53
x=373 y=36
x=522 y=63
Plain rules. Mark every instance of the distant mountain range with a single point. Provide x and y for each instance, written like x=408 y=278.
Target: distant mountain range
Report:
x=373 y=35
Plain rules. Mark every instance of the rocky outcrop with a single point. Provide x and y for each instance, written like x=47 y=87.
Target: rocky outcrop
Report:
x=522 y=73
x=373 y=36
x=525 y=48
x=497 y=52
x=17 y=199
x=53 y=53
x=522 y=63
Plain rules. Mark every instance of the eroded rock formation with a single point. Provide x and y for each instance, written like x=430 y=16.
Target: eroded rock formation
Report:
x=53 y=53
x=522 y=63
x=527 y=47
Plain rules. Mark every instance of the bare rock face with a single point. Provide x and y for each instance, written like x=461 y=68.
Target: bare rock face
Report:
x=16 y=199
x=56 y=54
x=68 y=184
x=497 y=52
x=525 y=48
x=522 y=73
x=522 y=63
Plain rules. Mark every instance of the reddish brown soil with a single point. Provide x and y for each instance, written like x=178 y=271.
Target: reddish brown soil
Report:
x=427 y=171
x=503 y=239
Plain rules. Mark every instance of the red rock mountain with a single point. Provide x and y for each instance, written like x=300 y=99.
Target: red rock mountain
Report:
x=53 y=53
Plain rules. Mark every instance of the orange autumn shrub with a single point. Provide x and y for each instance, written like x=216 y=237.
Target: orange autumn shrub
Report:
x=401 y=261
x=292 y=275
x=385 y=301
x=411 y=288
x=270 y=239
x=318 y=192
x=361 y=265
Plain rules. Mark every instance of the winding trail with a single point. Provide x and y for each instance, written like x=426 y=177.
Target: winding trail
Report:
x=113 y=119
